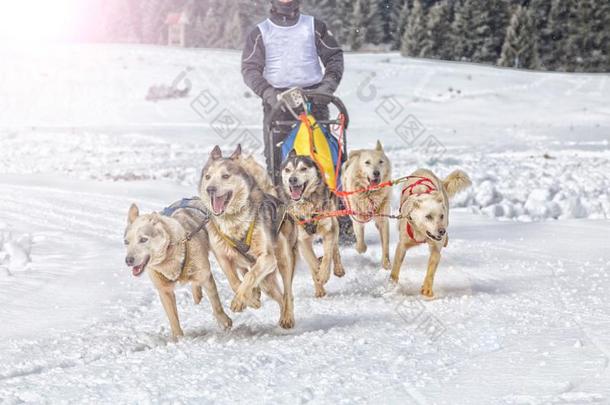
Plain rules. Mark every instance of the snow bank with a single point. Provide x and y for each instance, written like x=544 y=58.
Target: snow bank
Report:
x=14 y=251
x=527 y=186
x=533 y=188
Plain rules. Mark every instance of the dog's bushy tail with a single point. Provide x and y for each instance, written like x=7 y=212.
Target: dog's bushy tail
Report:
x=457 y=181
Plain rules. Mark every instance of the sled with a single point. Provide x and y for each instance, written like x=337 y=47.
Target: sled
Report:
x=324 y=140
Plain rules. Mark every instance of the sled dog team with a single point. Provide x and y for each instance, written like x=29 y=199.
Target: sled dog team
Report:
x=256 y=231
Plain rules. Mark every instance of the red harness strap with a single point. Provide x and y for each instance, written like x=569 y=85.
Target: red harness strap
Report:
x=430 y=187
x=411 y=235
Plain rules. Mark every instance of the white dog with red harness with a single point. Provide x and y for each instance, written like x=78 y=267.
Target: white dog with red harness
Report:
x=424 y=210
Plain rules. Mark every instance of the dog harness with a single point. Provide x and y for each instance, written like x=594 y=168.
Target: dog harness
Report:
x=187 y=203
x=372 y=211
x=430 y=187
x=310 y=227
x=185 y=243
x=241 y=246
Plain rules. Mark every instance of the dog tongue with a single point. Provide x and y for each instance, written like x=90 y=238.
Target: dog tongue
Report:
x=136 y=271
x=295 y=193
x=218 y=203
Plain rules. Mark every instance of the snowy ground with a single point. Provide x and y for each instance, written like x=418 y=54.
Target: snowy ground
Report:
x=522 y=314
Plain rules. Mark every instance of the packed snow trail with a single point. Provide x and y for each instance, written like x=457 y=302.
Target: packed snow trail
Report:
x=509 y=311
x=521 y=315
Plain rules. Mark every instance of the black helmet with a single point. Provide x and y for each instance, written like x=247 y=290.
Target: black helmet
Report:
x=286 y=9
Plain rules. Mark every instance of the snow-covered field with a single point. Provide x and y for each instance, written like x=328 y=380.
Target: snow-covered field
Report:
x=522 y=313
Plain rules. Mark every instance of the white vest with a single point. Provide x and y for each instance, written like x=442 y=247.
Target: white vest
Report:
x=291 y=56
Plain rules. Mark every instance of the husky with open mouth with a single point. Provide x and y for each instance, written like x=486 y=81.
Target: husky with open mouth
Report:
x=305 y=193
x=173 y=249
x=249 y=233
x=424 y=210
x=364 y=169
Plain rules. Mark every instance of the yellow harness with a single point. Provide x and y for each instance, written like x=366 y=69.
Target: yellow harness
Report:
x=242 y=246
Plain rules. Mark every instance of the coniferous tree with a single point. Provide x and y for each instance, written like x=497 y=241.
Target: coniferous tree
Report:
x=344 y=8
x=233 y=32
x=214 y=24
x=600 y=61
x=581 y=46
x=198 y=32
x=479 y=29
x=366 y=25
x=520 y=48
x=438 y=32
x=374 y=21
x=463 y=33
x=415 y=32
x=357 y=33
x=400 y=17
x=499 y=19
x=540 y=10
x=561 y=13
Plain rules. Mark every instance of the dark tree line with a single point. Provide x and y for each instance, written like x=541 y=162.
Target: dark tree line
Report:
x=565 y=35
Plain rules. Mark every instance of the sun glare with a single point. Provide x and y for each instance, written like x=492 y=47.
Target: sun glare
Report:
x=36 y=21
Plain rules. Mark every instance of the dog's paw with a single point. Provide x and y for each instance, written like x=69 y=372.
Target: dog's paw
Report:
x=361 y=247
x=426 y=291
x=339 y=271
x=320 y=291
x=238 y=304
x=254 y=302
x=224 y=322
x=176 y=336
x=393 y=279
x=387 y=265
x=287 y=322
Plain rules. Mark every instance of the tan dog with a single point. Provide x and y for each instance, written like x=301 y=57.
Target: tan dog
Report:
x=365 y=168
x=249 y=234
x=424 y=207
x=305 y=193
x=172 y=250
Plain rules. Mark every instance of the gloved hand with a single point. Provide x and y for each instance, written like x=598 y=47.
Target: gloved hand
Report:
x=270 y=96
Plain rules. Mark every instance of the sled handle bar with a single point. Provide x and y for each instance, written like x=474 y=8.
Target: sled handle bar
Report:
x=313 y=96
x=322 y=122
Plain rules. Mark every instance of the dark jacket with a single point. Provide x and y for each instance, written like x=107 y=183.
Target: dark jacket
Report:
x=329 y=51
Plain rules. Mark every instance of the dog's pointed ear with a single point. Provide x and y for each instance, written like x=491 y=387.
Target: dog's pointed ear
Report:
x=411 y=205
x=134 y=212
x=354 y=154
x=216 y=153
x=379 y=146
x=155 y=218
x=237 y=154
x=157 y=223
x=292 y=154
